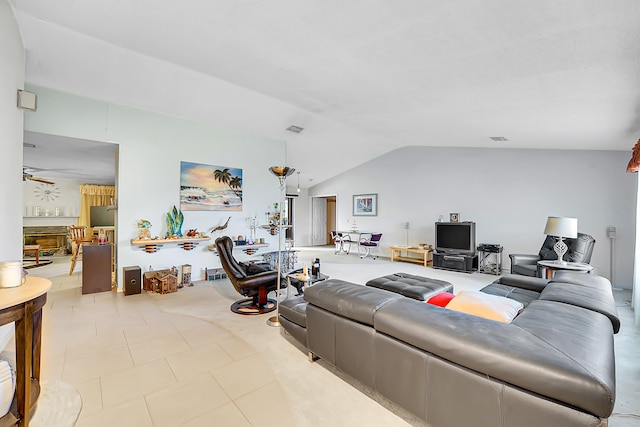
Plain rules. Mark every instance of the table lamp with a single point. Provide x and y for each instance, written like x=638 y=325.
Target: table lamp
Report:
x=281 y=172
x=561 y=228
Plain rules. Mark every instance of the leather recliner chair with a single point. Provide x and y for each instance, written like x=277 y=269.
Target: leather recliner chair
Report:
x=580 y=250
x=249 y=280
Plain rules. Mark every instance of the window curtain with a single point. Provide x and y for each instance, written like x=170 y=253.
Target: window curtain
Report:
x=94 y=195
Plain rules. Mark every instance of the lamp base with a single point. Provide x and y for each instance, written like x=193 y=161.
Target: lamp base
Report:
x=560 y=248
x=274 y=321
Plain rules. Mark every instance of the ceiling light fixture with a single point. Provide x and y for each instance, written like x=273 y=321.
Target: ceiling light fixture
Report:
x=295 y=129
x=498 y=138
x=298 y=181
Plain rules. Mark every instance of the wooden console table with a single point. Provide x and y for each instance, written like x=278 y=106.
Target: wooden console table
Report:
x=23 y=305
x=426 y=255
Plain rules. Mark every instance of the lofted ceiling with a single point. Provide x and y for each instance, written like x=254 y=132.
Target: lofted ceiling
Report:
x=363 y=77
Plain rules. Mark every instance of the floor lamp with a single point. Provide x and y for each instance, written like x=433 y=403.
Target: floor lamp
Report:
x=281 y=172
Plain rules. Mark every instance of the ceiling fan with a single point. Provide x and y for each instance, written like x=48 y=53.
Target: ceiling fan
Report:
x=27 y=176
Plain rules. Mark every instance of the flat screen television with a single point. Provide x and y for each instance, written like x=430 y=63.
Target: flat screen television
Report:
x=456 y=237
x=99 y=216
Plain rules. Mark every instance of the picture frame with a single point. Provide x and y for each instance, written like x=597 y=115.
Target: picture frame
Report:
x=210 y=188
x=365 y=204
x=454 y=217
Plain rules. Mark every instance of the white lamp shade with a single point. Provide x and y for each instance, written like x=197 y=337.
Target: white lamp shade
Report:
x=562 y=227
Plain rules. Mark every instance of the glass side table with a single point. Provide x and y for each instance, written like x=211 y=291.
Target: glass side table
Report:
x=297 y=280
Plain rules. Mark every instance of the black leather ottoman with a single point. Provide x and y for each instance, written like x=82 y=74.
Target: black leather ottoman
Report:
x=408 y=285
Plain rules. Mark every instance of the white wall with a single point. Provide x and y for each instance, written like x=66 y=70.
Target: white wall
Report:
x=508 y=193
x=12 y=72
x=151 y=147
x=62 y=210
x=11 y=119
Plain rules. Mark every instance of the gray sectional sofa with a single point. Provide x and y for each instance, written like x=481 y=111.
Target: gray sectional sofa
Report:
x=553 y=365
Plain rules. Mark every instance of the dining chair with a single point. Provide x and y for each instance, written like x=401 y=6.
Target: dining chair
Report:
x=77 y=237
x=342 y=242
x=369 y=245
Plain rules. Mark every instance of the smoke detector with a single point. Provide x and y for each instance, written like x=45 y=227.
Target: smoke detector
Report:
x=498 y=138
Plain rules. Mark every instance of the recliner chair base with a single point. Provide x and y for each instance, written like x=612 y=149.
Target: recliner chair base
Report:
x=248 y=306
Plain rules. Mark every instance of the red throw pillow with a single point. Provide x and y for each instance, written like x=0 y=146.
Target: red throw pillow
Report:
x=441 y=299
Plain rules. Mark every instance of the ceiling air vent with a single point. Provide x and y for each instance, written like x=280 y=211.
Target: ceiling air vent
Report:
x=498 y=138
x=295 y=129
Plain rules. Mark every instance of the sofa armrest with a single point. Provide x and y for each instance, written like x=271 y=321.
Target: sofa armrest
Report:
x=260 y=279
x=524 y=259
x=523 y=282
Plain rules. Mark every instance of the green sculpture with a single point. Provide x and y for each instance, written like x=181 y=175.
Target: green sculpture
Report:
x=174 y=223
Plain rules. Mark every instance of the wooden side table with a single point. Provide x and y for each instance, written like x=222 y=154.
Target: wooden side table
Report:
x=32 y=249
x=426 y=255
x=23 y=305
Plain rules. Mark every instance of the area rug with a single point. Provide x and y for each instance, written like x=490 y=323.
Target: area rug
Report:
x=31 y=263
x=59 y=405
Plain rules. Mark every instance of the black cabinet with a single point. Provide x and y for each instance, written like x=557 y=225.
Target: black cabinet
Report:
x=96 y=267
x=455 y=262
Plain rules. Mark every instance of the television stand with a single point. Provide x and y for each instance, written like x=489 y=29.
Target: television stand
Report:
x=455 y=262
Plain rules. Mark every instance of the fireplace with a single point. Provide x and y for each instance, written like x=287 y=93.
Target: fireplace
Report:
x=52 y=239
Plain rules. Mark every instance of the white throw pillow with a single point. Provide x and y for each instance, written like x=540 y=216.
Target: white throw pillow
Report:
x=484 y=305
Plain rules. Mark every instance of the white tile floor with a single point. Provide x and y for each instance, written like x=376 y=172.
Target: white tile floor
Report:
x=185 y=359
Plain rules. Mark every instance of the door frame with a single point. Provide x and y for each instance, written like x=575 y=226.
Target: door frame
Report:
x=334 y=218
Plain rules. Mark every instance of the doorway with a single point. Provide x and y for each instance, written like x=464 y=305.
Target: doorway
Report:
x=55 y=169
x=323 y=219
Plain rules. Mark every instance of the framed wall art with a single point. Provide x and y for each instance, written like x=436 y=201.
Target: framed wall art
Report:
x=210 y=188
x=365 y=204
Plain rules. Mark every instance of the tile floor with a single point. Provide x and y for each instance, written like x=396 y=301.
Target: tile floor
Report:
x=184 y=359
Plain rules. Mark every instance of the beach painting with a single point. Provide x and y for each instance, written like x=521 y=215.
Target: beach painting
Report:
x=210 y=188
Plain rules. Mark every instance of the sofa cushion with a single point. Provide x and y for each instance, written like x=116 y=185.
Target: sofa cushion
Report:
x=485 y=305
x=441 y=299
x=582 y=279
x=412 y=286
x=591 y=298
x=522 y=295
x=349 y=300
